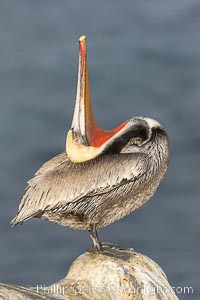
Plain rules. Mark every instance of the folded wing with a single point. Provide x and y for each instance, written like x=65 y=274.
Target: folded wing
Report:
x=60 y=182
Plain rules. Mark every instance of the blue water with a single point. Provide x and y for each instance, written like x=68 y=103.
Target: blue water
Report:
x=144 y=59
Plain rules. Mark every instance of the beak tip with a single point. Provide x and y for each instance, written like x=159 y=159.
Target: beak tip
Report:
x=82 y=38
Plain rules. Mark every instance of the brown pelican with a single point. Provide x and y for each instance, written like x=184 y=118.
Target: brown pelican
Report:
x=103 y=175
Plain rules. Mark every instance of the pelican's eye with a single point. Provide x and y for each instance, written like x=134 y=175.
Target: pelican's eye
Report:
x=135 y=141
x=76 y=141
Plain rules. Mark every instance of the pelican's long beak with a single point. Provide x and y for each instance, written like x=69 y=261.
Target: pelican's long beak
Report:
x=85 y=140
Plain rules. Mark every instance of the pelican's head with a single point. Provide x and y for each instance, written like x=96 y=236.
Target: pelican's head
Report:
x=85 y=140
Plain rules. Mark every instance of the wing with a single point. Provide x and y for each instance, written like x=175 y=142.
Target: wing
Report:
x=59 y=181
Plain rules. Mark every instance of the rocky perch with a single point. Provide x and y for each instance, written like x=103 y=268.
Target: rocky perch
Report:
x=117 y=274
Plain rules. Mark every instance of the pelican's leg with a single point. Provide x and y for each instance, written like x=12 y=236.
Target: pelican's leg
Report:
x=95 y=238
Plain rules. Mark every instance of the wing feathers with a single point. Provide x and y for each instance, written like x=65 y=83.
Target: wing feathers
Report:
x=59 y=182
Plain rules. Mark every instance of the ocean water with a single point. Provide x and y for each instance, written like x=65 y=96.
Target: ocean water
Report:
x=144 y=59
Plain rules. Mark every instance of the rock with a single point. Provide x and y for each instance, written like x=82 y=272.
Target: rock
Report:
x=117 y=274
x=14 y=292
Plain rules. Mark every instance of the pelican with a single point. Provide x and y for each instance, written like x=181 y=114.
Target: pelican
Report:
x=103 y=175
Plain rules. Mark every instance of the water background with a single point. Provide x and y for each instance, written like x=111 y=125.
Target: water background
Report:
x=144 y=59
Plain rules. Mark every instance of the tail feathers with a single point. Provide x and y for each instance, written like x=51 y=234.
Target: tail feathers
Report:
x=21 y=218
